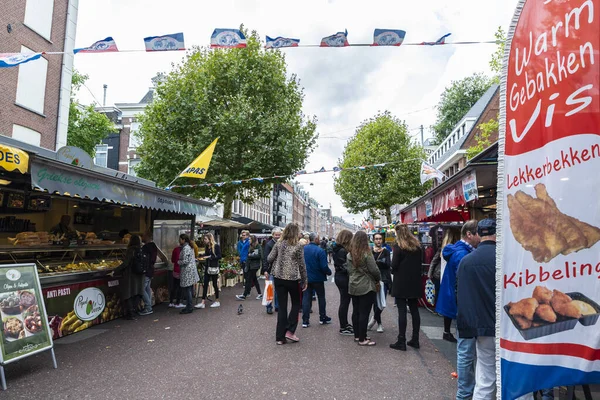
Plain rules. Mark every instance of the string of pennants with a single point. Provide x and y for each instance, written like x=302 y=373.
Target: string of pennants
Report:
x=299 y=173
x=233 y=38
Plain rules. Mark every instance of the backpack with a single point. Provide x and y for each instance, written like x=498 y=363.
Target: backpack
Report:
x=141 y=262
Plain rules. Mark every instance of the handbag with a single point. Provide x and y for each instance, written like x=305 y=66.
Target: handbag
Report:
x=430 y=292
x=381 y=296
x=212 y=270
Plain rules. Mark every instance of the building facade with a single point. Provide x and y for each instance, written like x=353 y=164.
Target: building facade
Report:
x=283 y=204
x=35 y=96
x=261 y=210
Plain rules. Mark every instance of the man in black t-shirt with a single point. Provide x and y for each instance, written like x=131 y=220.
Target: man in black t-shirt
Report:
x=153 y=253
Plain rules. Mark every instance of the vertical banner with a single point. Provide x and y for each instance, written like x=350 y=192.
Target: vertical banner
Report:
x=549 y=209
x=469 y=184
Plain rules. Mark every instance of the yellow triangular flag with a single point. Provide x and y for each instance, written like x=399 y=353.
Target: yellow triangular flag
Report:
x=199 y=167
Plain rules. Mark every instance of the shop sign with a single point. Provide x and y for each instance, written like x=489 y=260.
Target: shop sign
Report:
x=74 y=156
x=25 y=329
x=414 y=214
x=12 y=159
x=549 y=188
x=428 y=208
x=469 y=185
x=89 y=303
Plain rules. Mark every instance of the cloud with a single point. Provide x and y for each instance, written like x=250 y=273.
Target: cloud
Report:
x=343 y=86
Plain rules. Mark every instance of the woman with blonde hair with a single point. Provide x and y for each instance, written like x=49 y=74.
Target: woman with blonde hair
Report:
x=286 y=264
x=364 y=279
x=212 y=255
x=406 y=287
x=340 y=251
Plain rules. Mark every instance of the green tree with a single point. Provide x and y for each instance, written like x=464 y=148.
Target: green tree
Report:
x=242 y=96
x=87 y=127
x=380 y=139
x=497 y=59
x=455 y=102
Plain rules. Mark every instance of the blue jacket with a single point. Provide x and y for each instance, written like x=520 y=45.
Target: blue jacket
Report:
x=242 y=249
x=476 y=292
x=453 y=254
x=315 y=258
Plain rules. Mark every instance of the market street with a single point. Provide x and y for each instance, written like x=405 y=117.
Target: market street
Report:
x=217 y=354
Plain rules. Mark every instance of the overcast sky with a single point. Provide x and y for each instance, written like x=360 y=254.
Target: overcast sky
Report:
x=343 y=86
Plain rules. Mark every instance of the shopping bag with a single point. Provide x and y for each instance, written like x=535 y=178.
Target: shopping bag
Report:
x=430 y=292
x=381 y=297
x=268 y=297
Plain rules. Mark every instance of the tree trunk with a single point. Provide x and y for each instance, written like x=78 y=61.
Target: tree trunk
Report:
x=229 y=235
x=388 y=214
x=227 y=205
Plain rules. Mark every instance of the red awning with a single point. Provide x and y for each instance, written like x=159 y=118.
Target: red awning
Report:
x=441 y=210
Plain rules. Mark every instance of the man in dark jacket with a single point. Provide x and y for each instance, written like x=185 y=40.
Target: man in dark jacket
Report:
x=317 y=269
x=266 y=267
x=476 y=296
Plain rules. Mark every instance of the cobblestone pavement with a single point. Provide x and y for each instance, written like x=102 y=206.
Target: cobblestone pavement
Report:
x=217 y=354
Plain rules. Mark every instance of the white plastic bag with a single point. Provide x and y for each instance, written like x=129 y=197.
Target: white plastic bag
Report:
x=381 y=297
x=267 y=298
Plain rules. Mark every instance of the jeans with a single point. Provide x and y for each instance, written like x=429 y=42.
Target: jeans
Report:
x=207 y=279
x=286 y=322
x=341 y=281
x=147 y=295
x=547 y=394
x=319 y=287
x=361 y=308
x=485 y=370
x=465 y=367
x=402 y=320
x=251 y=280
x=274 y=302
x=188 y=291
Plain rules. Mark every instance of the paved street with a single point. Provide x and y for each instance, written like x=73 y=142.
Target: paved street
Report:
x=214 y=353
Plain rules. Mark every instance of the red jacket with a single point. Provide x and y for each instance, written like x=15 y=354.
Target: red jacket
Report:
x=174 y=260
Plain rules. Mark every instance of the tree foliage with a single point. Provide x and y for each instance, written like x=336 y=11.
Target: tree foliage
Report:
x=242 y=96
x=87 y=127
x=380 y=139
x=497 y=59
x=455 y=102
x=483 y=141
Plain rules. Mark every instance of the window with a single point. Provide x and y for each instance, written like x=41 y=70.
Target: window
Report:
x=31 y=83
x=132 y=165
x=26 y=135
x=101 y=157
x=38 y=16
x=134 y=139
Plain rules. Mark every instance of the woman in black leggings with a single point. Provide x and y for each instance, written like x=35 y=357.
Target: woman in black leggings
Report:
x=212 y=255
x=340 y=251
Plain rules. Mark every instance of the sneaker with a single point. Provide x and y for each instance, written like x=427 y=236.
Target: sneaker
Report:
x=350 y=328
x=325 y=321
x=171 y=305
x=179 y=306
x=259 y=297
x=291 y=336
x=449 y=337
x=185 y=311
x=240 y=297
x=305 y=324
x=371 y=325
x=215 y=304
x=379 y=328
x=398 y=346
x=346 y=332
x=200 y=305
x=145 y=312
x=314 y=298
x=413 y=343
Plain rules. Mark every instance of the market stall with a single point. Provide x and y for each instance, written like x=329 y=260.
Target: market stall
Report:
x=74 y=224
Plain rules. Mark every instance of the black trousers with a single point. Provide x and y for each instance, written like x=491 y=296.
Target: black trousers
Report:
x=402 y=321
x=176 y=292
x=188 y=291
x=341 y=281
x=287 y=322
x=251 y=280
x=361 y=308
x=207 y=279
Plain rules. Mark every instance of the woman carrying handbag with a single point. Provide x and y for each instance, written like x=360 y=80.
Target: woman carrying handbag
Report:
x=383 y=261
x=212 y=255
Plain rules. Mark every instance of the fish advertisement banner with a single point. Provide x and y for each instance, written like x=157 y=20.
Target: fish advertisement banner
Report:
x=548 y=189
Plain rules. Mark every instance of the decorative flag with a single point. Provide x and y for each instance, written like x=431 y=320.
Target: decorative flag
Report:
x=322 y=170
x=8 y=60
x=227 y=39
x=281 y=42
x=236 y=182
x=303 y=172
x=428 y=172
x=388 y=37
x=101 y=46
x=261 y=180
x=440 y=41
x=170 y=42
x=199 y=167
x=340 y=39
x=336 y=169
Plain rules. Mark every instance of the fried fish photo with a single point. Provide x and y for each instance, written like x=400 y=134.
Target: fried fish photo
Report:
x=542 y=229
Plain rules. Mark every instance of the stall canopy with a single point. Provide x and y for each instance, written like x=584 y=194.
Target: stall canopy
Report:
x=254 y=225
x=216 y=221
x=67 y=180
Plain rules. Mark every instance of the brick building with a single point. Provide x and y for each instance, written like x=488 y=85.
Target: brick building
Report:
x=34 y=100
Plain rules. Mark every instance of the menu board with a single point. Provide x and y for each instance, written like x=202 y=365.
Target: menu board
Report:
x=25 y=328
x=548 y=201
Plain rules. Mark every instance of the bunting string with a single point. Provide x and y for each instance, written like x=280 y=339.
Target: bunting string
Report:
x=299 y=173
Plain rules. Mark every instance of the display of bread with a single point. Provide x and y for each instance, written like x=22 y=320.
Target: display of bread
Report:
x=548 y=306
x=542 y=229
x=29 y=238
